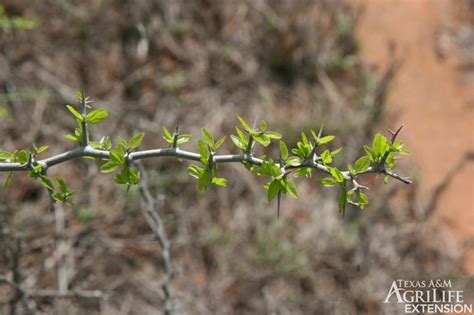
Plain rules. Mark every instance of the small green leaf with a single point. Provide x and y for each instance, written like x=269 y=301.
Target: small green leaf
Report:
x=338 y=176
x=379 y=145
x=61 y=184
x=293 y=161
x=136 y=140
x=195 y=171
x=167 y=135
x=263 y=125
x=273 y=189
x=238 y=143
x=291 y=188
x=342 y=200
x=334 y=152
x=328 y=182
x=244 y=124
x=208 y=137
x=23 y=157
x=47 y=182
x=71 y=137
x=183 y=138
x=362 y=164
x=272 y=135
x=117 y=157
x=204 y=180
x=351 y=169
x=218 y=181
x=5 y=155
x=326 y=139
x=109 y=166
x=242 y=136
x=219 y=143
x=40 y=149
x=283 y=151
x=304 y=139
x=75 y=113
x=362 y=198
x=262 y=138
x=326 y=157
x=203 y=151
x=96 y=116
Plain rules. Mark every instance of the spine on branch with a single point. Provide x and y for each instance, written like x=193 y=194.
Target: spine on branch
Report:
x=310 y=154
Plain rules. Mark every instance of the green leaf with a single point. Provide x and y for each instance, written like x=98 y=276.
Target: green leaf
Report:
x=71 y=137
x=370 y=153
x=75 y=113
x=342 y=200
x=204 y=180
x=362 y=164
x=338 y=176
x=273 y=189
x=47 y=182
x=328 y=182
x=293 y=161
x=291 y=187
x=326 y=157
x=272 y=135
x=183 y=138
x=305 y=171
x=96 y=116
x=283 y=151
x=40 y=149
x=304 y=139
x=262 y=138
x=362 y=198
x=238 y=143
x=208 y=138
x=218 y=181
x=379 y=145
x=334 y=152
x=117 y=157
x=242 y=136
x=244 y=124
x=195 y=171
x=326 y=139
x=23 y=157
x=204 y=152
x=167 y=136
x=219 y=143
x=351 y=169
x=136 y=140
x=5 y=155
x=109 y=166
x=134 y=177
x=263 y=125
x=61 y=184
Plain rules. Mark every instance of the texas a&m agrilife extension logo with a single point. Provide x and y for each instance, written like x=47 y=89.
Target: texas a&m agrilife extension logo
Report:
x=428 y=296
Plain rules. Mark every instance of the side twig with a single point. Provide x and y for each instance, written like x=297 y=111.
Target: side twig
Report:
x=156 y=224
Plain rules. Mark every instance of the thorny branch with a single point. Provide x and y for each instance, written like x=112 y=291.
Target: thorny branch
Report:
x=89 y=151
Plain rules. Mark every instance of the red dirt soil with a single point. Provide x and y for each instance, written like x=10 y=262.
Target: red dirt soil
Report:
x=432 y=98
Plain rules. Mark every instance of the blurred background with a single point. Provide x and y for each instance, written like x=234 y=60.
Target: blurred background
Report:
x=359 y=67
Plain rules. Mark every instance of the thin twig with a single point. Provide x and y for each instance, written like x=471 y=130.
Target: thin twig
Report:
x=156 y=224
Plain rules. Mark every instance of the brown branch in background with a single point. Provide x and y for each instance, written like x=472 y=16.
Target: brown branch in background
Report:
x=438 y=191
x=156 y=224
x=61 y=251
